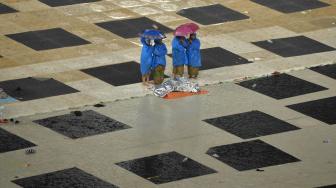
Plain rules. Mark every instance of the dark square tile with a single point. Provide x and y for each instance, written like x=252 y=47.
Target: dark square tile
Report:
x=293 y=46
x=131 y=28
x=322 y=109
x=29 y=88
x=68 y=178
x=328 y=186
x=212 y=14
x=117 y=74
x=328 y=70
x=289 y=6
x=251 y=124
x=281 y=86
x=218 y=57
x=56 y=3
x=4 y=9
x=48 y=39
x=166 y=167
x=250 y=155
x=11 y=142
x=82 y=124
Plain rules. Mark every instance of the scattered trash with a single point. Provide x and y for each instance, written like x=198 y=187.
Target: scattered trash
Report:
x=276 y=73
x=245 y=12
x=333 y=23
x=260 y=170
x=256 y=59
x=270 y=41
x=178 y=84
x=155 y=26
x=254 y=85
x=30 y=151
x=3 y=94
x=3 y=120
x=27 y=165
x=326 y=141
x=303 y=12
x=77 y=113
x=152 y=177
x=16 y=122
x=215 y=155
x=99 y=105
x=185 y=159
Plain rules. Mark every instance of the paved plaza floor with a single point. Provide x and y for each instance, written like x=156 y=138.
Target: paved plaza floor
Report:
x=71 y=69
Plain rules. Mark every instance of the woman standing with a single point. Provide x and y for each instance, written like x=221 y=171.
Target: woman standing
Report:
x=159 y=61
x=194 y=56
x=146 y=60
x=179 y=46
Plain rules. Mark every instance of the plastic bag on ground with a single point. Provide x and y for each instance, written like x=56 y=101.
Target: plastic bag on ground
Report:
x=178 y=84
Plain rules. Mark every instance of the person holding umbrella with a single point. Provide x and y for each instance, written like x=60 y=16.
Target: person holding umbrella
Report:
x=194 y=56
x=159 y=61
x=186 y=51
x=146 y=62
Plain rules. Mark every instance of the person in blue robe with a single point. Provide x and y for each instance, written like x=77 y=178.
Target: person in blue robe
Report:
x=146 y=60
x=159 y=61
x=194 y=56
x=179 y=47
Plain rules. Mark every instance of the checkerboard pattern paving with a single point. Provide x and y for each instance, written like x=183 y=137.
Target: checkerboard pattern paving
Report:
x=33 y=88
x=58 y=58
x=72 y=177
x=251 y=124
x=65 y=2
x=252 y=155
x=82 y=124
x=48 y=39
x=212 y=14
x=11 y=142
x=4 y=9
x=293 y=46
x=281 y=86
x=288 y=6
x=167 y=167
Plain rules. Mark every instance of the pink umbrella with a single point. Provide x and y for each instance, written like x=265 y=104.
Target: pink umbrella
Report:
x=186 y=29
x=194 y=27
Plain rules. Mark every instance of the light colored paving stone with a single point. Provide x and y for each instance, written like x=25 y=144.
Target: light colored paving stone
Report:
x=263 y=34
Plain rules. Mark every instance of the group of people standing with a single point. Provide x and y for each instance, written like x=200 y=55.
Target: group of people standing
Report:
x=185 y=52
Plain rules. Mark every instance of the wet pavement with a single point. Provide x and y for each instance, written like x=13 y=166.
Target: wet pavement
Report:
x=71 y=70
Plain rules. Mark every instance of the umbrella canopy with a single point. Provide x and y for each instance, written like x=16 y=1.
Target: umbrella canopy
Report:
x=186 y=29
x=152 y=34
x=194 y=27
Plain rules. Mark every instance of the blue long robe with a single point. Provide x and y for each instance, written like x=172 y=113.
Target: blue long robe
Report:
x=194 y=54
x=146 y=57
x=179 y=52
x=159 y=55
